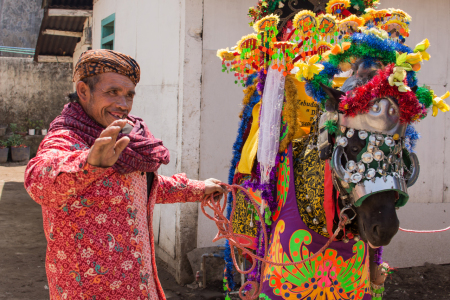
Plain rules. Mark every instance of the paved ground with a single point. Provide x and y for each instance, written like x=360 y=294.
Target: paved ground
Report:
x=22 y=254
x=22 y=247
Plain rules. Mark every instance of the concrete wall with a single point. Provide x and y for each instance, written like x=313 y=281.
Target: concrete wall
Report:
x=429 y=205
x=30 y=90
x=225 y=22
x=164 y=37
x=20 y=21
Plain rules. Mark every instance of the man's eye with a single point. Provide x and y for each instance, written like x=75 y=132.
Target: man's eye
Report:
x=113 y=92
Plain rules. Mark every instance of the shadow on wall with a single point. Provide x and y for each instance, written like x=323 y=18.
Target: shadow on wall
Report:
x=32 y=91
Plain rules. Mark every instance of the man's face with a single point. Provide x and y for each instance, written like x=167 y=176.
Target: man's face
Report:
x=111 y=99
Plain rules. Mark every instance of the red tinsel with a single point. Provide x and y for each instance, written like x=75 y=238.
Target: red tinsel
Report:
x=359 y=100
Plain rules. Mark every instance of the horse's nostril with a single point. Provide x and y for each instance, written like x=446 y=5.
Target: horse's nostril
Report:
x=375 y=230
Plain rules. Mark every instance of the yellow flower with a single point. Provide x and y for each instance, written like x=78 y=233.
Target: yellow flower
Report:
x=440 y=104
x=414 y=58
x=421 y=48
x=309 y=69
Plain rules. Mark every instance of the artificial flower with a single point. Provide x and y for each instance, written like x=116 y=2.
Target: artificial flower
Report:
x=397 y=78
x=440 y=104
x=309 y=69
x=421 y=48
x=382 y=34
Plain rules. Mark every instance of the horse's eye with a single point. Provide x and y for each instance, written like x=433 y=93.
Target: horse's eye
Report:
x=355 y=149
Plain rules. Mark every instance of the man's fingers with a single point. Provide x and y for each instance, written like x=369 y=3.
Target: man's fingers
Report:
x=101 y=141
x=111 y=131
x=121 y=145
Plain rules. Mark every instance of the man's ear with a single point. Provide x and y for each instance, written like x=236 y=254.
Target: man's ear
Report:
x=83 y=91
x=334 y=95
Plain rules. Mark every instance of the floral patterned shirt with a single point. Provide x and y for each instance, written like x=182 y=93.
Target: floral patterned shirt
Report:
x=97 y=222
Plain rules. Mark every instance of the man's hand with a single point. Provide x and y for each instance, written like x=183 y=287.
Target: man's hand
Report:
x=212 y=186
x=105 y=151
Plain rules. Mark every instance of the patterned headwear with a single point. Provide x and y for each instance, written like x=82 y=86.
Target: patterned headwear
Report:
x=95 y=62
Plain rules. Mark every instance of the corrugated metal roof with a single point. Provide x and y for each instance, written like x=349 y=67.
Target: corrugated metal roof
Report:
x=60 y=45
x=68 y=4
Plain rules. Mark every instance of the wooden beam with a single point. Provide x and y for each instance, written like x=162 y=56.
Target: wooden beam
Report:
x=52 y=58
x=55 y=12
x=63 y=33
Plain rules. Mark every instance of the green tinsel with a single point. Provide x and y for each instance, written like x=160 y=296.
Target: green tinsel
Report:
x=424 y=96
x=273 y=5
x=378 y=291
x=331 y=126
x=361 y=51
x=361 y=5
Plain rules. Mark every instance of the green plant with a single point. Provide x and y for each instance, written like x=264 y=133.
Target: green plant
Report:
x=31 y=124
x=39 y=124
x=13 y=127
x=4 y=144
x=15 y=140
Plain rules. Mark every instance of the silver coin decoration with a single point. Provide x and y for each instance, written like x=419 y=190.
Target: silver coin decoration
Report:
x=363 y=134
x=343 y=129
x=371 y=149
x=380 y=171
x=378 y=155
x=324 y=229
x=345 y=240
x=361 y=167
x=350 y=133
x=371 y=173
x=343 y=142
x=316 y=221
x=397 y=149
x=357 y=238
x=372 y=139
x=350 y=166
x=391 y=159
x=385 y=166
x=367 y=157
x=356 y=178
x=308 y=209
x=380 y=140
x=389 y=141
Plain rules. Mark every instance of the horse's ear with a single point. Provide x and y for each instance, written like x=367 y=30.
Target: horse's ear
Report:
x=414 y=89
x=334 y=95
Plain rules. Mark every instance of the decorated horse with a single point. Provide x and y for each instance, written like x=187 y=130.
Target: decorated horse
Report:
x=325 y=149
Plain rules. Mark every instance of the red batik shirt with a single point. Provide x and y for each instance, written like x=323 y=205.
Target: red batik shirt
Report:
x=98 y=222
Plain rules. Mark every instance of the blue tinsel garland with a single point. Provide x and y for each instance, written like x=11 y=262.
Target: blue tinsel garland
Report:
x=237 y=146
x=412 y=136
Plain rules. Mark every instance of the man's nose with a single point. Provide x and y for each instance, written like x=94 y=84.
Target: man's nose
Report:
x=122 y=103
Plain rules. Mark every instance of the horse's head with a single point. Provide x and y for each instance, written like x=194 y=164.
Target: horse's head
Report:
x=371 y=167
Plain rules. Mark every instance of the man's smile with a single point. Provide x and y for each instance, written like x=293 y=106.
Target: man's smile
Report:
x=118 y=115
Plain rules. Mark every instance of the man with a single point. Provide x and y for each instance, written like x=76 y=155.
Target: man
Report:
x=95 y=175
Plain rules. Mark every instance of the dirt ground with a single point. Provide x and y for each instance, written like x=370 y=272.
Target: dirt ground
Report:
x=22 y=254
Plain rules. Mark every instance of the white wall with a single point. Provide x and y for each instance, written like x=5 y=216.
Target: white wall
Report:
x=225 y=22
x=164 y=36
x=429 y=205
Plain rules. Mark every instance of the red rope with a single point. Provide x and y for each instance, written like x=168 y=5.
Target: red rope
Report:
x=225 y=227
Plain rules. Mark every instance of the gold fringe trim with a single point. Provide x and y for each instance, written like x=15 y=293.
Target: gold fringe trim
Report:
x=248 y=93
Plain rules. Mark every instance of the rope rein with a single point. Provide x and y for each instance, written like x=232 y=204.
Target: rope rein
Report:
x=225 y=227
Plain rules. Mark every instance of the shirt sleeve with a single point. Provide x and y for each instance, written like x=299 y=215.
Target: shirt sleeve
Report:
x=60 y=170
x=179 y=189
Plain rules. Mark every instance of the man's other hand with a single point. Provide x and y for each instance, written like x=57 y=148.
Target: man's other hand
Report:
x=213 y=186
x=106 y=150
